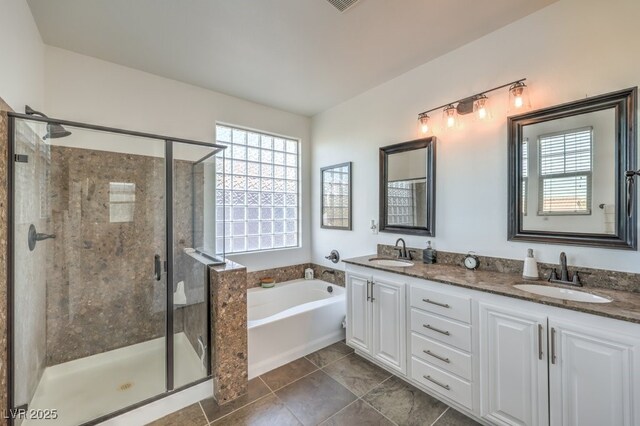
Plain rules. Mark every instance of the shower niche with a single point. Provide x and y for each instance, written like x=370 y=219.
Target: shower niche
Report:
x=112 y=233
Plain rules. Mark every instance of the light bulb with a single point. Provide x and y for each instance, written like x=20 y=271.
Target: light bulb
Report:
x=518 y=97
x=450 y=116
x=481 y=108
x=423 y=121
x=451 y=121
x=518 y=101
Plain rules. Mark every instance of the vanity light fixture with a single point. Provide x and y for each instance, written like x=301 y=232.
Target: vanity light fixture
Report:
x=518 y=96
x=481 y=107
x=478 y=104
x=423 y=122
x=450 y=116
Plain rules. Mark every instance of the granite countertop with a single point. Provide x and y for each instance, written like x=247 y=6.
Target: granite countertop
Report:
x=624 y=306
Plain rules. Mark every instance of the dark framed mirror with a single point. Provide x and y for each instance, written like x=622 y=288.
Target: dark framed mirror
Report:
x=408 y=187
x=335 y=199
x=567 y=167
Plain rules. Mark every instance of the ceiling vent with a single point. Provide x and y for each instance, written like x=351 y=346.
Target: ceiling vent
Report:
x=342 y=5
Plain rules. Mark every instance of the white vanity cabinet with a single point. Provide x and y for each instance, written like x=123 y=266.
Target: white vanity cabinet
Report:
x=594 y=373
x=376 y=319
x=513 y=366
x=502 y=360
x=359 y=312
x=541 y=366
x=441 y=342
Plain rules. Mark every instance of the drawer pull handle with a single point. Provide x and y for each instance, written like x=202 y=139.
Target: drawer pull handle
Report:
x=442 y=385
x=437 y=330
x=444 y=305
x=540 y=330
x=553 y=345
x=428 y=352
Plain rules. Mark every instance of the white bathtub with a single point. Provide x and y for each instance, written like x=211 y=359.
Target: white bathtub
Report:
x=291 y=320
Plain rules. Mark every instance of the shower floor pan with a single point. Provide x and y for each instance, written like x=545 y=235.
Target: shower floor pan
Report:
x=91 y=387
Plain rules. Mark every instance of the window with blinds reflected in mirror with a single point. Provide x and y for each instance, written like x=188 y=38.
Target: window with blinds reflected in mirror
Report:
x=569 y=170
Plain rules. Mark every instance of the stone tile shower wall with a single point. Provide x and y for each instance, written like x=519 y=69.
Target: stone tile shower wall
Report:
x=3 y=257
x=101 y=291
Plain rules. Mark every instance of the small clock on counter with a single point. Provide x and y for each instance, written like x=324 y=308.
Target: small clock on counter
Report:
x=471 y=261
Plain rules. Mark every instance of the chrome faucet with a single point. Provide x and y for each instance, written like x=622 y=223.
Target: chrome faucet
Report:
x=403 y=253
x=564 y=274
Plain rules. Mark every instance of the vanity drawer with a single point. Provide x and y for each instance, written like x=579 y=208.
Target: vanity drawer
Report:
x=442 y=356
x=456 y=307
x=441 y=329
x=442 y=382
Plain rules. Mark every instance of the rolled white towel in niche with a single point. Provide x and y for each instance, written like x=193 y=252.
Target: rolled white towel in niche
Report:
x=180 y=297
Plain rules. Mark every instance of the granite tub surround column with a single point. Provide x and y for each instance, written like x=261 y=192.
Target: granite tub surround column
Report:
x=589 y=277
x=229 y=331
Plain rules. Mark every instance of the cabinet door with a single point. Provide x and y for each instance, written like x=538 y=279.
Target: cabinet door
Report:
x=389 y=324
x=358 y=312
x=513 y=366
x=592 y=376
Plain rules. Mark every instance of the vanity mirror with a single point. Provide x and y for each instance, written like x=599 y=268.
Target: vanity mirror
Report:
x=335 y=202
x=407 y=187
x=567 y=167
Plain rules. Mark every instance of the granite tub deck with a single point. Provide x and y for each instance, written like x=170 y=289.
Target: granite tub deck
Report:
x=625 y=305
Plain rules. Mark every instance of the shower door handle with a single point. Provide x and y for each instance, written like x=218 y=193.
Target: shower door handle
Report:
x=157 y=266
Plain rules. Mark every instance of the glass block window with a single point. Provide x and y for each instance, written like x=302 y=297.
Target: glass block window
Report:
x=565 y=172
x=401 y=206
x=261 y=191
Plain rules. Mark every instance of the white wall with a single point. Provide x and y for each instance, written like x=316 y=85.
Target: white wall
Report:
x=22 y=83
x=89 y=90
x=21 y=57
x=568 y=50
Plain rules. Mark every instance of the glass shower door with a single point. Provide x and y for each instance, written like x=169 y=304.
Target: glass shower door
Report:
x=193 y=240
x=89 y=259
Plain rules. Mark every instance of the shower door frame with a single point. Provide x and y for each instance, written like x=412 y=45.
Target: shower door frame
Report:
x=169 y=247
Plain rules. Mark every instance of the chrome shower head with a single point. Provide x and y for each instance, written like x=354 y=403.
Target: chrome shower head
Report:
x=54 y=130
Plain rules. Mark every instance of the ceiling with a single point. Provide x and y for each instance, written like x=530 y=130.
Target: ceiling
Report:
x=302 y=56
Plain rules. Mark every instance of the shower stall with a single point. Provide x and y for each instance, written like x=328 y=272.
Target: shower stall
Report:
x=111 y=236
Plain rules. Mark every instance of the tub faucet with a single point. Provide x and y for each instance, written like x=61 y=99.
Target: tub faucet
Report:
x=402 y=251
x=328 y=271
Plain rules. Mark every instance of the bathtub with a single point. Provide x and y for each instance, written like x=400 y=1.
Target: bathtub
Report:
x=291 y=320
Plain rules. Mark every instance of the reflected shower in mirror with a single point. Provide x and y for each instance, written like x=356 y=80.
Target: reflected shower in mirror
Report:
x=570 y=169
x=407 y=187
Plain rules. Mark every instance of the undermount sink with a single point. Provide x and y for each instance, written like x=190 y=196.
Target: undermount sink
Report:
x=562 y=293
x=394 y=263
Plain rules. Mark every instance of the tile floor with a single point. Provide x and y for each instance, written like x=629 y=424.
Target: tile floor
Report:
x=330 y=387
